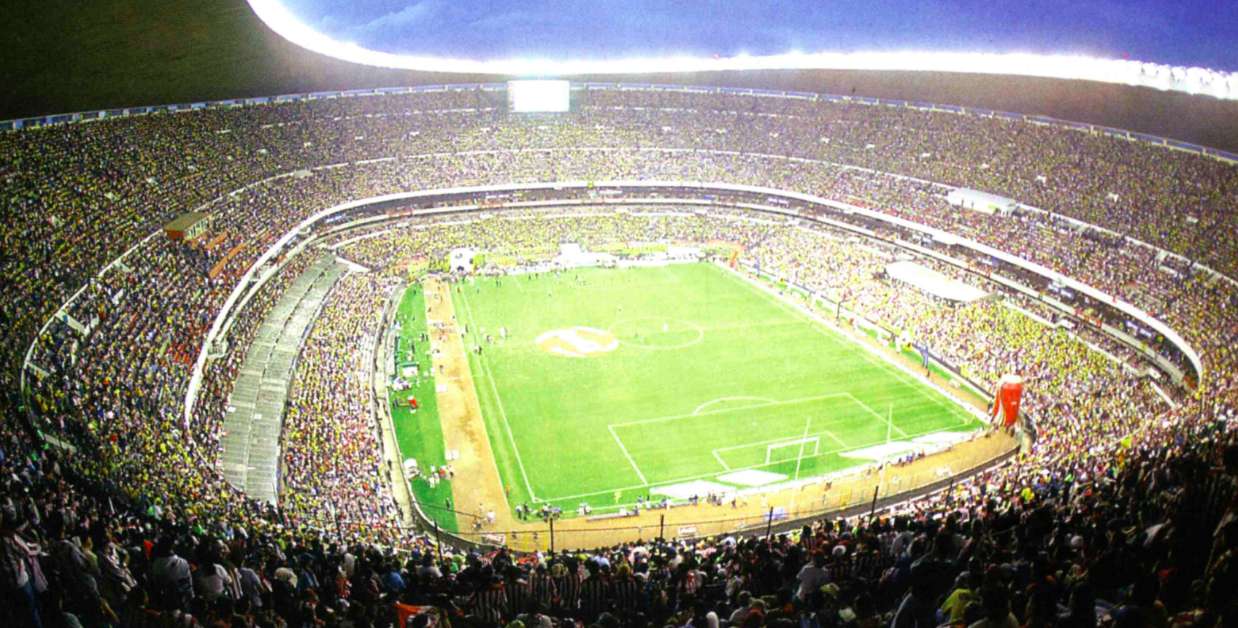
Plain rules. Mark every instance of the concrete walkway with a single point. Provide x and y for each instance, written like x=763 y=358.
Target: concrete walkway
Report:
x=251 y=455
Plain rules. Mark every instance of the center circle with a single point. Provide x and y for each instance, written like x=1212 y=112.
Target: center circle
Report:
x=655 y=332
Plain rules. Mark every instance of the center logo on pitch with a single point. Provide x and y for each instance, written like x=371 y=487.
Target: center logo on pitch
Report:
x=577 y=342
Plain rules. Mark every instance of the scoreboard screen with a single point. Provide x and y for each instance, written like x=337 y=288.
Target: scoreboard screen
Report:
x=539 y=96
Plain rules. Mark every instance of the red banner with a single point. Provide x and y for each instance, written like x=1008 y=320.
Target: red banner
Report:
x=405 y=611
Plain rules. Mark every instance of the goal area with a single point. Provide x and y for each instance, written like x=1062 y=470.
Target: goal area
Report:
x=792 y=449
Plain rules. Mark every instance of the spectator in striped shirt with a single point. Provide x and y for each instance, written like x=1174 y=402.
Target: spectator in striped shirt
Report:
x=626 y=593
x=519 y=594
x=490 y=601
x=594 y=592
x=568 y=585
x=542 y=587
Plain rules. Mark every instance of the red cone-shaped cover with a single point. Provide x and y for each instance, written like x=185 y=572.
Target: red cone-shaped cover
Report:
x=1006 y=400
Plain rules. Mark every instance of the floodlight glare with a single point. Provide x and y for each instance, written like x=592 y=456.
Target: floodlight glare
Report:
x=1191 y=80
x=539 y=96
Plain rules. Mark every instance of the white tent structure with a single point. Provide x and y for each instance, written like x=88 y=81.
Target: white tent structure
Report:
x=934 y=283
x=980 y=201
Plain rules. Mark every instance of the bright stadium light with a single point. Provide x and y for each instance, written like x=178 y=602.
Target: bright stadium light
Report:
x=539 y=96
x=1191 y=80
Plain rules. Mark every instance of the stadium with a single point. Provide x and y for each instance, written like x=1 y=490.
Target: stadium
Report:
x=585 y=350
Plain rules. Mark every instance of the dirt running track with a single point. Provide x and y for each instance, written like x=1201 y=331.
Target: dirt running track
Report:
x=477 y=487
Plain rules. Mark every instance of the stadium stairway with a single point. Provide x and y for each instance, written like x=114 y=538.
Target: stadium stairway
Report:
x=250 y=445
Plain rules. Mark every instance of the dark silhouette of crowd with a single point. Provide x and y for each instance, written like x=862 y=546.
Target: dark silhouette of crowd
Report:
x=1145 y=538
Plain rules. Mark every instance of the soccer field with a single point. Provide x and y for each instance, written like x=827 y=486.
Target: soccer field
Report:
x=602 y=385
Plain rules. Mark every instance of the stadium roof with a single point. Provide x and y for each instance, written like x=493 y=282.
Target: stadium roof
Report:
x=1055 y=39
x=105 y=54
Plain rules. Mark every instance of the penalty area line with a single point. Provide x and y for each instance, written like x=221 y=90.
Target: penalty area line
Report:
x=714 y=474
x=834 y=438
x=697 y=413
x=889 y=420
x=627 y=455
x=760 y=400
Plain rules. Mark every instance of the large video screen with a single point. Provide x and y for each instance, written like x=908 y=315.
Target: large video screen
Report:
x=539 y=96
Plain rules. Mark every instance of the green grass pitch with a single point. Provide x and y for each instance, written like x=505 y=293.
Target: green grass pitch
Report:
x=419 y=434
x=708 y=373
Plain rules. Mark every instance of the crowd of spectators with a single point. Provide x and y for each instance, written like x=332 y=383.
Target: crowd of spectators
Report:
x=136 y=526
x=331 y=448
x=1148 y=537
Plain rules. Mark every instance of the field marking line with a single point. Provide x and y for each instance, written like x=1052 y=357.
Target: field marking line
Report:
x=834 y=438
x=701 y=407
x=871 y=355
x=714 y=474
x=889 y=420
x=819 y=325
x=800 y=457
x=619 y=441
x=700 y=333
x=799 y=317
x=789 y=440
x=918 y=384
x=677 y=417
x=498 y=401
x=716 y=451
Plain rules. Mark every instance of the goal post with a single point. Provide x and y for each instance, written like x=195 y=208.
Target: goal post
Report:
x=793 y=449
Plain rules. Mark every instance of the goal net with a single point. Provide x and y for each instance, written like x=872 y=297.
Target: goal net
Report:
x=792 y=449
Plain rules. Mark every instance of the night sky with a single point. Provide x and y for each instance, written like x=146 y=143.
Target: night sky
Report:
x=1175 y=32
